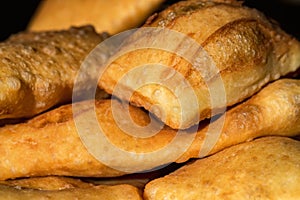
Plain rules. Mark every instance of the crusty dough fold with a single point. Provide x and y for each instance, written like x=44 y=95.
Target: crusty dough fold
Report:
x=247 y=49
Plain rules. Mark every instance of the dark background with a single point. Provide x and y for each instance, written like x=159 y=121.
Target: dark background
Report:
x=15 y=15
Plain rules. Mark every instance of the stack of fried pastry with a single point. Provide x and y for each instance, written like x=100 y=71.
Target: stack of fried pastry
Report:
x=246 y=148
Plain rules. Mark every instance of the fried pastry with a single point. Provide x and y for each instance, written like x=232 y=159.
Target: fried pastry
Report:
x=223 y=52
x=53 y=143
x=46 y=183
x=64 y=188
x=275 y=110
x=266 y=168
x=110 y=16
x=48 y=145
x=38 y=69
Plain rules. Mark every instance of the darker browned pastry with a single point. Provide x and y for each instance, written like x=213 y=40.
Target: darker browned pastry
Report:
x=38 y=69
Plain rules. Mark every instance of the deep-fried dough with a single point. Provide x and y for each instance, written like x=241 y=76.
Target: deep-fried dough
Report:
x=64 y=188
x=275 y=110
x=38 y=69
x=266 y=168
x=47 y=183
x=111 y=16
x=49 y=144
x=248 y=49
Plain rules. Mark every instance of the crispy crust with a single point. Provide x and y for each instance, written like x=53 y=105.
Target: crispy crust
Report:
x=38 y=69
x=247 y=48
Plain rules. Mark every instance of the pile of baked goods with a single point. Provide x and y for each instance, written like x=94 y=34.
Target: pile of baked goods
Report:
x=196 y=103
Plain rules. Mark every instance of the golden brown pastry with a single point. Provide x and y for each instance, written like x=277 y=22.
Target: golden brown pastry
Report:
x=38 y=69
x=64 y=188
x=266 y=168
x=242 y=51
x=111 y=16
x=48 y=145
x=47 y=183
x=51 y=143
x=275 y=110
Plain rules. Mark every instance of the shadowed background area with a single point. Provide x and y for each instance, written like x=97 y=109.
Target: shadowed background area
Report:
x=286 y=12
x=15 y=15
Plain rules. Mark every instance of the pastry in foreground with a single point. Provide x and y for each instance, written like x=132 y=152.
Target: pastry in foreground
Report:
x=50 y=144
x=62 y=188
x=196 y=57
x=38 y=69
x=266 y=168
